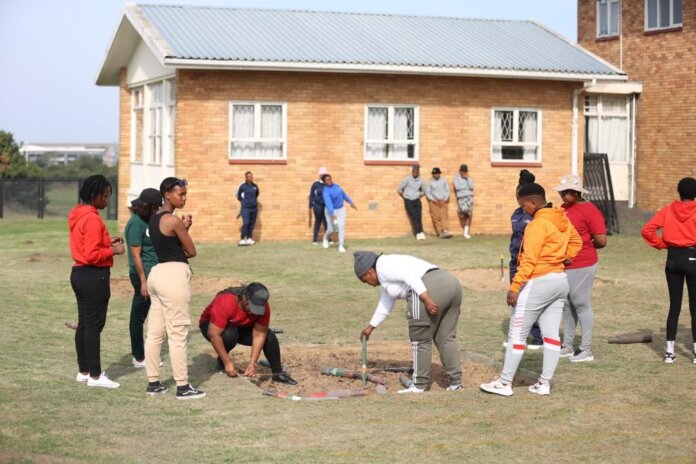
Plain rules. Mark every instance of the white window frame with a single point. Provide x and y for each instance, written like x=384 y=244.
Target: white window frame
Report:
x=515 y=135
x=609 y=33
x=257 y=130
x=169 y=129
x=672 y=24
x=153 y=133
x=137 y=95
x=390 y=140
x=600 y=114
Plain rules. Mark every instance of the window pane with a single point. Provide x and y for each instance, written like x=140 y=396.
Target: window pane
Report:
x=172 y=91
x=664 y=13
x=652 y=13
x=138 y=136
x=590 y=103
x=243 y=121
x=271 y=121
x=503 y=126
x=603 y=20
x=512 y=153
x=614 y=17
x=403 y=124
x=269 y=149
x=156 y=91
x=243 y=149
x=613 y=138
x=615 y=105
x=527 y=130
x=376 y=151
x=677 y=10
x=377 y=123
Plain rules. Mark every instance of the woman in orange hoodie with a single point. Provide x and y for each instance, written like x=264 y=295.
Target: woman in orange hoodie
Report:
x=539 y=289
x=678 y=224
x=92 y=250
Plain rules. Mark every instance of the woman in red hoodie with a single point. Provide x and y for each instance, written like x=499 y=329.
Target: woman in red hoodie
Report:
x=92 y=250
x=678 y=224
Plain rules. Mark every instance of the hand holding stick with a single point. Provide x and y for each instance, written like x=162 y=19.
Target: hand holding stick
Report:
x=364 y=360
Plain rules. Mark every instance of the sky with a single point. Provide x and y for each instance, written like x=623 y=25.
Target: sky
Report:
x=52 y=50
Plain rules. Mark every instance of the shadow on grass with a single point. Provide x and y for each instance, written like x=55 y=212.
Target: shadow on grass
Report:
x=683 y=345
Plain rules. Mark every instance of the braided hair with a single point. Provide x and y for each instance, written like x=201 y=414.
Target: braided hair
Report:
x=92 y=187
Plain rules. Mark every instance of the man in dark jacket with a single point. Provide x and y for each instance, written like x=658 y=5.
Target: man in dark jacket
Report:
x=247 y=194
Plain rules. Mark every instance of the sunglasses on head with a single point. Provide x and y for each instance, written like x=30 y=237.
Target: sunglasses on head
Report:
x=178 y=183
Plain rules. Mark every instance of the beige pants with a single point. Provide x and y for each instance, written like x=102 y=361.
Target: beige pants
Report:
x=170 y=294
x=439 y=214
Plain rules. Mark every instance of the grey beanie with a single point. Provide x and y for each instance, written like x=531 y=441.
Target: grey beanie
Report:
x=364 y=261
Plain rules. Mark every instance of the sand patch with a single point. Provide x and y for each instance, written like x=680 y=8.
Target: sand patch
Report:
x=121 y=286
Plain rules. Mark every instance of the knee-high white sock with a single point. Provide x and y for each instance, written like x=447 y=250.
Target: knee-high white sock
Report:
x=670 y=346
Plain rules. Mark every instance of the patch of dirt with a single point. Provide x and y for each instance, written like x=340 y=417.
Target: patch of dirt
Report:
x=36 y=257
x=305 y=362
x=487 y=279
x=121 y=286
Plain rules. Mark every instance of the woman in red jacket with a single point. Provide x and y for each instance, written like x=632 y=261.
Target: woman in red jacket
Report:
x=678 y=224
x=92 y=250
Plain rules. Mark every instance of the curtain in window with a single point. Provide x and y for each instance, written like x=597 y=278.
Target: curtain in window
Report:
x=271 y=128
x=243 y=128
x=613 y=138
x=403 y=118
x=376 y=130
x=527 y=133
x=592 y=128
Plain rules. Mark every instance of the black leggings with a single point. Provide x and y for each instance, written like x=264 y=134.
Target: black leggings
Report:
x=319 y=220
x=92 y=291
x=243 y=335
x=681 y=265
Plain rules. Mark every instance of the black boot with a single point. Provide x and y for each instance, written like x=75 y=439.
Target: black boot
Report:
x=284 y=378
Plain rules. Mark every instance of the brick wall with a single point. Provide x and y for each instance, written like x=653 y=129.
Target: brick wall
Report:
x=124 y=136
x=326 y=128
x=666 y=118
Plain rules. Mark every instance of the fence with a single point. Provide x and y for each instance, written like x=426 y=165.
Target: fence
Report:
x=46 y=198
x=597 y=179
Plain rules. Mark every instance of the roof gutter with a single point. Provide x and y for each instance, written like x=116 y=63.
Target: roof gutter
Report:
x=245 y=65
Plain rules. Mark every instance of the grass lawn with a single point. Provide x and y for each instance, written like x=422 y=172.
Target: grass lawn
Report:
x=627 y=406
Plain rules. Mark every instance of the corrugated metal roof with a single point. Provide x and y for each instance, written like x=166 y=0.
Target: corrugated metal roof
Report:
x=290 y=36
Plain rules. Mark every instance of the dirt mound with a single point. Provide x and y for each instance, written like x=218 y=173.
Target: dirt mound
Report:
x=482 y=279
x=121 y=286
x=304 y=363
x=36 y=257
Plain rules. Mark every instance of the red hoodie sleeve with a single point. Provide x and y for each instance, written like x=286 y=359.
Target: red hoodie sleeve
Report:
x=649 y=231
x=97 y=243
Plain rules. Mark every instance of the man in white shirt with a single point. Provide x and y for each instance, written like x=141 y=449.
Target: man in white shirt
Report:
x=433 y=297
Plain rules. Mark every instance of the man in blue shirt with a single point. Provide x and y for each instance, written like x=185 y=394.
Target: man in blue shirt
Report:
x=247 y=194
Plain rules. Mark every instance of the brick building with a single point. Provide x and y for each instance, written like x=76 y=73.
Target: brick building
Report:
x=653 y=42
x=206 y=96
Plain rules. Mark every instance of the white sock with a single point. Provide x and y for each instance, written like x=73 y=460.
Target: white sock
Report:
x=466 y=230
x=670 y=346
x=694 y=348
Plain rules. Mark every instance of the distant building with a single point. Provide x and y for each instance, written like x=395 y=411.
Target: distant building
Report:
x=65 y=153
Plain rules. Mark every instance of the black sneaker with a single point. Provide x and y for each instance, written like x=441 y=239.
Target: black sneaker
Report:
x=187 y=392
x=155 y=388
x=284 y=378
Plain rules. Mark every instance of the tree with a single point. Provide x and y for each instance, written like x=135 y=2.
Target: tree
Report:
x=12 y=163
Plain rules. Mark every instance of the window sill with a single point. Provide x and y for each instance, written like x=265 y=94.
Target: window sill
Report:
x=660 y=31
x=257 y=161
x=390 y=162
x=516 y=164
x=607 y=38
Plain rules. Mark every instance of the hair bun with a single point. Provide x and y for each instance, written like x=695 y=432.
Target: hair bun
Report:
x=526 y=177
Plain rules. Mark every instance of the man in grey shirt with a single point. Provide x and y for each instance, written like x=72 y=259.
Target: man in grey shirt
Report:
x=411 y=190
x=437 y=192
x=464 y=189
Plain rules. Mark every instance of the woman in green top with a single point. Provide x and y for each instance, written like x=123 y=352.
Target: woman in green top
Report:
x=141 y=258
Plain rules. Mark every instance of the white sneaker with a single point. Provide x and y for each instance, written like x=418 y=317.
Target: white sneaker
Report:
x=567 y=352
x=540 y=388
x=505 y=344
x=583 y=356
x=497 y=387
x=250 y=241
x=467 y=236
x=412 y=389
x=341 y=249
x=325 y=242
x=243 y=242
x=141 y=364
x=103 y=381
x=420 y=236
x=81 y=377
x=459 y=386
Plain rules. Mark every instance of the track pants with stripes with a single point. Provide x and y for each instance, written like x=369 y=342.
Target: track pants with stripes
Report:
x=424 y=329
x=541 y=300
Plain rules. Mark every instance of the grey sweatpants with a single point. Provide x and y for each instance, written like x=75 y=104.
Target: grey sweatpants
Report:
x=542 y=300
x=423 y=328
x=578 y=306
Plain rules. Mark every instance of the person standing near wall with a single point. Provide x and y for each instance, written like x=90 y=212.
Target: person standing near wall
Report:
x=141 y=259
x=678 y=223
x=334 y=196
x=588 y=220
x=411 y=190
x=316 y=204
x=248 y=194
x=464 y=190
x=169 y=286
x=92 y=250
x=437 y=193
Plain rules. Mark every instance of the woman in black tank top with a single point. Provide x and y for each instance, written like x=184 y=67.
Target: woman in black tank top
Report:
x=170 y=291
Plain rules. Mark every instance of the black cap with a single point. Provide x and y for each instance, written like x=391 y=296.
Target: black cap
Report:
x=463 y=168
x=257 y=295
x=149 y=195
x=436 y=171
